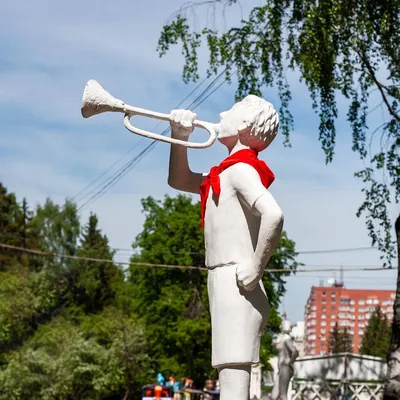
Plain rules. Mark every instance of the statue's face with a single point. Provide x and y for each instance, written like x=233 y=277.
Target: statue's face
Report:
x=231 y=122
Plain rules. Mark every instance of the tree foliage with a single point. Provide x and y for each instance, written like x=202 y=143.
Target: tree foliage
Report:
x=340 y=341
x=93 y=283
x=67 y=330
x=174 y=302
x=104 y=356
x=348 y=48
x=376 y=339
x=85 y=329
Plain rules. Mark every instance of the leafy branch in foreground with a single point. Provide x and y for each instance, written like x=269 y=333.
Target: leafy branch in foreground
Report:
x=340 y=48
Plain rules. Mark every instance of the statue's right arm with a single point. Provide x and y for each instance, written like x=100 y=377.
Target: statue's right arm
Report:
x=293 y=351
x=180 y=176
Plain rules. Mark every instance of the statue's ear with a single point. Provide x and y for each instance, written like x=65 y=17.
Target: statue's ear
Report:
x=242 y=126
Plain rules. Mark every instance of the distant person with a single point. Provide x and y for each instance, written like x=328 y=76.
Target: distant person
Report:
x=209 y=387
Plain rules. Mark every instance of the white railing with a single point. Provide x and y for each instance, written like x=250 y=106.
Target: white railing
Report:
x=329 y=390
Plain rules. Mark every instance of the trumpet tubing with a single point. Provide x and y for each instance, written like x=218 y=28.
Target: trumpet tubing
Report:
x=97 y=100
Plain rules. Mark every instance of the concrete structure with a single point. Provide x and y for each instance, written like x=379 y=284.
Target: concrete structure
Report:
x=322 y=377
x=349 y=308
x=339 y=367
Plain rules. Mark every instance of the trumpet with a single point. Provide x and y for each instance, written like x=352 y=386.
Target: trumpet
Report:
x=96 y=100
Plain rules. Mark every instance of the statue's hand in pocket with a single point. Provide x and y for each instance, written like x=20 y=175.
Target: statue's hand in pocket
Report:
x=248 y=275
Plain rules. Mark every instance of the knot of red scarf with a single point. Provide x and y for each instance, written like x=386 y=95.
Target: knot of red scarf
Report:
x=247 y=156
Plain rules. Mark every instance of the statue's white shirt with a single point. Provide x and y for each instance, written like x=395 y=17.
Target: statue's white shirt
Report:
x=231 y=226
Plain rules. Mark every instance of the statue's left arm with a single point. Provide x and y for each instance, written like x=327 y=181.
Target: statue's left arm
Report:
x=247 y=183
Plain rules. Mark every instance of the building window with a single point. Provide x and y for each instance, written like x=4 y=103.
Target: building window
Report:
x=323 y=323
x=369 y=301
x=323 y=293
x=323 y=330
x=324 y=300
x=312 y=291
x=313 y=300
x=333 y=323
x=333 y=308
x=393 y=295
x=361 y=302
x=361 y=332
x=323 y=316
x=376 y=301
x=313 y=308
x=345 y=300
x=333 y=316
x=333 y=294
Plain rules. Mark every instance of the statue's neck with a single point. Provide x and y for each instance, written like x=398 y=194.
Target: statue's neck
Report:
x=238 y=146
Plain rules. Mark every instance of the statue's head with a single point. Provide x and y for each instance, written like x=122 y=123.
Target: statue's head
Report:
x=253 y=121
x=286 y=326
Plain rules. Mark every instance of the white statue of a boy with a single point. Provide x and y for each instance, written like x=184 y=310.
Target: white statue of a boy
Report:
x=242 y=227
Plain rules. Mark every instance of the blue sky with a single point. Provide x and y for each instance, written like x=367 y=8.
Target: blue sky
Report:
x=48 y=50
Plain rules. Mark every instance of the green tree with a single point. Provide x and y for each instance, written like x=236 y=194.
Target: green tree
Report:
x=376 y=339
x=347 y=48
x=173 y=302
x=93 y=283
x=103 y=357
x=340 y=341
x=16 y=229
x=59 y=228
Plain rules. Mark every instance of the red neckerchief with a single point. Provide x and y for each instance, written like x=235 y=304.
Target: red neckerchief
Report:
x=247 y=156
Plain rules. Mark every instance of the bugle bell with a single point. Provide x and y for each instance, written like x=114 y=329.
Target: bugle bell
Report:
x=97 y=100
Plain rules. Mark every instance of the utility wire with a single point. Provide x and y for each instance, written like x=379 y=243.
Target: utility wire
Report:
x=343 y=250
x=130 y=250
x=104 y=260
x=124 y=170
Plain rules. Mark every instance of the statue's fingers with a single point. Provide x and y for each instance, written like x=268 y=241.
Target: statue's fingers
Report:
x=189 y=116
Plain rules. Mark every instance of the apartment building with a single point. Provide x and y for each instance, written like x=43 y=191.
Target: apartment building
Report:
x=349 y=308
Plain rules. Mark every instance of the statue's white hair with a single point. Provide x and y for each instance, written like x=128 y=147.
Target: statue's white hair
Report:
x=260 y=122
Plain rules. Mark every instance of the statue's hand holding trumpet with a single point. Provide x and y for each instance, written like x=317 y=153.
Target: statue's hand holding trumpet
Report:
x=96 y=100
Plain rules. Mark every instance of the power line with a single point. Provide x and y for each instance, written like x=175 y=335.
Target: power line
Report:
x=343 y=250
x=142 y=264
x=337 y=250
x=124 y=170
x=132 y=251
